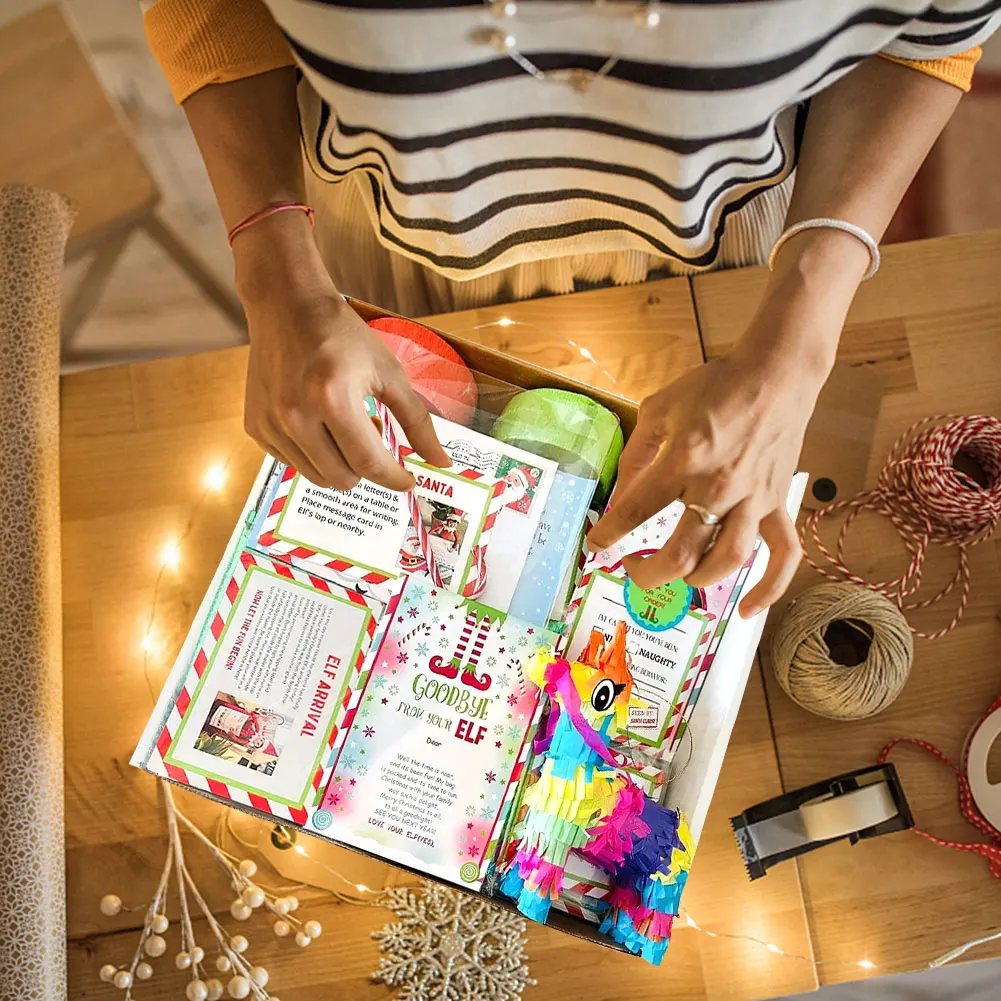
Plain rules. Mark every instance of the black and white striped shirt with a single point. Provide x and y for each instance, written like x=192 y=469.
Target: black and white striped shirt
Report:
x=473 y=164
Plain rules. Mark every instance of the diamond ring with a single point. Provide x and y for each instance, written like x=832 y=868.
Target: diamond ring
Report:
x=705 y=515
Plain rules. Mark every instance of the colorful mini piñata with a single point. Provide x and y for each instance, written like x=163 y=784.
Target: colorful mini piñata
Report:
x=582 y=802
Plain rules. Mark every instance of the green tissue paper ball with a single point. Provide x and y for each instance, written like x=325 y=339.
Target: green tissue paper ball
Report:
x=584 y=437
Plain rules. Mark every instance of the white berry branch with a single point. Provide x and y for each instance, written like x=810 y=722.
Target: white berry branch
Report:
x=246 y=980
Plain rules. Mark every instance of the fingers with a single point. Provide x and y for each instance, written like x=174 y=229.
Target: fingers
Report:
x=413 y=417
x=645 y=442
x=348 y=432
x=320 y=448
x=281 y=446
x=640 y=451
x=678 y=557
x=649 y=493
x=733 y=545
x=784 y=554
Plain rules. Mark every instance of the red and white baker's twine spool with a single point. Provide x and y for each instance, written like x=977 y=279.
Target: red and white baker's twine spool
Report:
x=928 y=500
x=990 y=850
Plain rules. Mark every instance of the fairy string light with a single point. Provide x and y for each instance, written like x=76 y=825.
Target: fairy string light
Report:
x=213 y=482
x=864 y=964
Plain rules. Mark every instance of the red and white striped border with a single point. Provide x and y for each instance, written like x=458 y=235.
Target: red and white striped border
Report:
x=291 y=552
x=217 y=623
x=616 y=570
x=701 y=668
x=583 y=890
x=477 y=582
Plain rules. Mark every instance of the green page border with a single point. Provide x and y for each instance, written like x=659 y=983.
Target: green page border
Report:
x=657 y=741
x=301 y=802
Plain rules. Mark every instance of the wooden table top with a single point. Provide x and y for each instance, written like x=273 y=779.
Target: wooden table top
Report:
x=59 y=130
x=136 y=443
x=930 y=323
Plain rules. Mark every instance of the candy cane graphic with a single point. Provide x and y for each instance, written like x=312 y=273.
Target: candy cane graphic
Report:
x=415 y=512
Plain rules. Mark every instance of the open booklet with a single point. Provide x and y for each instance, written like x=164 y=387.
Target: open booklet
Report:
x=355 y=667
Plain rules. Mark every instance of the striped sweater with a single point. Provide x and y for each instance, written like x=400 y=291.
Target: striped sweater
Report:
x=491 y=134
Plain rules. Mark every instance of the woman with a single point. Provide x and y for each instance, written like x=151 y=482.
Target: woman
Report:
x=469 y=152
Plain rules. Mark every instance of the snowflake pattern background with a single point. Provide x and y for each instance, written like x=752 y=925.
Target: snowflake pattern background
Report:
x=448 y=946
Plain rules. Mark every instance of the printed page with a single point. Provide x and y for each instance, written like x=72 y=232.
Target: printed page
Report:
x=672 y=631
x=439 y=740
x=661 y=659
x=260 y=707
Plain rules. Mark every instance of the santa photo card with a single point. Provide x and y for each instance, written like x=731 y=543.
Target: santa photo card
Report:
x=491 y=499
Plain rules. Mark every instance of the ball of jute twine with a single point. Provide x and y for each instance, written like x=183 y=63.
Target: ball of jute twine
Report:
x=802 y=657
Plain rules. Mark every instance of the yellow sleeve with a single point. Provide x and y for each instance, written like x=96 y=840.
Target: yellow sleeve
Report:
x=957 y=69
x=198 y=42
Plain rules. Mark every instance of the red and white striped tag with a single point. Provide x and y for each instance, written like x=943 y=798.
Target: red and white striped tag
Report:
x=476 y=581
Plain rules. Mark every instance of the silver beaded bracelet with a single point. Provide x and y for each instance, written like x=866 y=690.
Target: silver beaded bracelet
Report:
x=845 y=227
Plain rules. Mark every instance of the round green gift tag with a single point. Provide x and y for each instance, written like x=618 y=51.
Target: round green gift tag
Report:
x=659 y=608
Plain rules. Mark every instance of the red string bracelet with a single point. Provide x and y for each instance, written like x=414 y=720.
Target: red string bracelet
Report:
x=269 y=210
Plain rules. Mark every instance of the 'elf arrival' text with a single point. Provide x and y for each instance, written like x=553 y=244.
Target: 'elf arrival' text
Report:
x=311 y=723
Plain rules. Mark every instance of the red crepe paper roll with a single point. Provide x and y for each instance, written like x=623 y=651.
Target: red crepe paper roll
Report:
x=434 y=369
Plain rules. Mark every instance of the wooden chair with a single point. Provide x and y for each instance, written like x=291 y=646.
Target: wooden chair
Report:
x=60 y=130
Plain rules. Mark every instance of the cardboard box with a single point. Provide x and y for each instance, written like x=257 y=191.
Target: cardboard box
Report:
x=710 y=726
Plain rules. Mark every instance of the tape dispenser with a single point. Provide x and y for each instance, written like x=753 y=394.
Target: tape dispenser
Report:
x=856 y=805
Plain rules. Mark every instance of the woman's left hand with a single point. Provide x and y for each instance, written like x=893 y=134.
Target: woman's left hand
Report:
x=725 y=438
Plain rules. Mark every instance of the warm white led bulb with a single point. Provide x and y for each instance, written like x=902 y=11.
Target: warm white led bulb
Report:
x=170 y=556
x=215 y=478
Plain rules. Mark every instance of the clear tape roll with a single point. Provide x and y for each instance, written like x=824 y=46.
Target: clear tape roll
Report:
x=836 y=816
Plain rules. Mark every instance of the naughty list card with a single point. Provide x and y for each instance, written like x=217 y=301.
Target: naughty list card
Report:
x=439 y=738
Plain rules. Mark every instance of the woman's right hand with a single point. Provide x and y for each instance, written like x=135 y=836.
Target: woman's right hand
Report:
x=312 y=363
